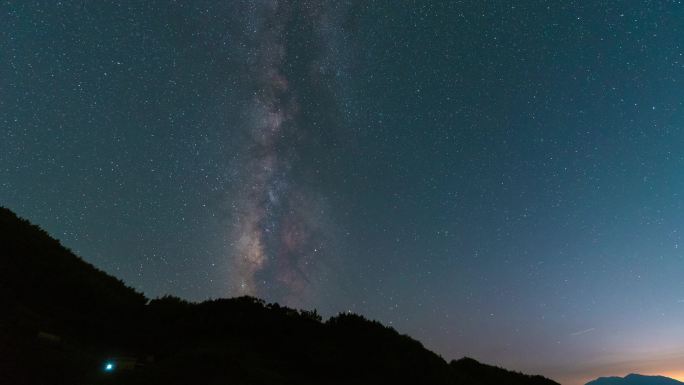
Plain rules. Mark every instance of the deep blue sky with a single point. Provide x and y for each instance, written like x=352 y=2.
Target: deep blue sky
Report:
x=502 y=180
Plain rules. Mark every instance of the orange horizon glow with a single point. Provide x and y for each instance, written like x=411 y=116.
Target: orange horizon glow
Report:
x=663 y=363
x=677 y=374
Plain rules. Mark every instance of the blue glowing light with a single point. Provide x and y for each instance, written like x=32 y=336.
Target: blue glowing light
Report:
x=109 y=367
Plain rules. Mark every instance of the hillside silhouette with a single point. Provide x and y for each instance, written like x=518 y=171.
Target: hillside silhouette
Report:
x=635 y=379
x=63 y=321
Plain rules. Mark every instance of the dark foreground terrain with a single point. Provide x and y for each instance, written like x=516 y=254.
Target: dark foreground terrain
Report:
x=62 y=321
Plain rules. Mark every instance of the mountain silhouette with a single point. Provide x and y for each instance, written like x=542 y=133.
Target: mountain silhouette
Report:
x=63 y=321
x=635 y=379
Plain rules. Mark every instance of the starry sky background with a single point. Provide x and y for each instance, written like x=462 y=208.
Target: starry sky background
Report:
x=501 y=180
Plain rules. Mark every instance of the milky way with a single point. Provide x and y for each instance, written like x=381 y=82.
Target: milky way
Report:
x=279 y=240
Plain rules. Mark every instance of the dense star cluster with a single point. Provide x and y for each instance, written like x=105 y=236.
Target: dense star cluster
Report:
x=498 y=180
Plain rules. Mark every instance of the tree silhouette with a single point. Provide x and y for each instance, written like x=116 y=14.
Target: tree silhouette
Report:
x=62 y=319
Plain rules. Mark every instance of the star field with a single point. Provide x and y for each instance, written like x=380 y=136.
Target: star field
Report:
x=498 y=180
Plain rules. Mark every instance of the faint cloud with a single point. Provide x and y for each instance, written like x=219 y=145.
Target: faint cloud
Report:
x=585 y=331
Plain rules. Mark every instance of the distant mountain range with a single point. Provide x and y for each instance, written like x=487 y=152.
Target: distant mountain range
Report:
x=635 y=379
x=63 y=321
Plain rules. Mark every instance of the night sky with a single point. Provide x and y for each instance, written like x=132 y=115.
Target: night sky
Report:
x=503 y=180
